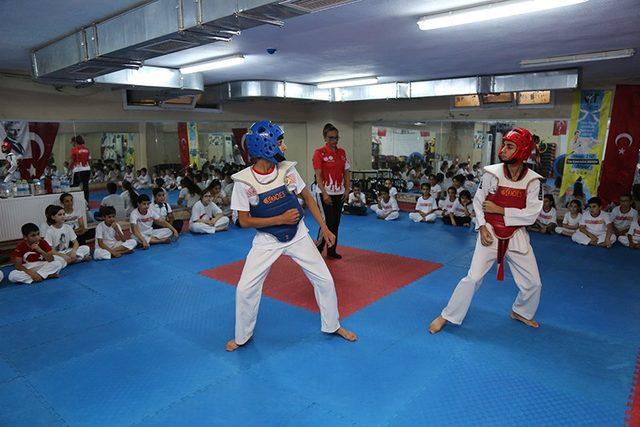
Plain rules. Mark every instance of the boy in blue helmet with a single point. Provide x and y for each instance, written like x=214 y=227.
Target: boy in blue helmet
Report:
x=265 y=197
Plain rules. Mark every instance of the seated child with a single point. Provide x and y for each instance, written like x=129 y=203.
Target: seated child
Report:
x=219 y=197
x=595 y=227
x=110 y=240
x=623 y=216
x=470 y=184
x=387 y=207
x=75 y=218
x=34 y=258
x=62 y=238
x=142 y=220
x=435 y=187
x=571 y=221
x=206 y=216
x=445 y=205
x=357 y=202
x=128 y=174
x=426 y=206
x=170 y=181
x=129 y=197
x=458 y=183
x=163 y=210
x=114 y=200
x=632 y=239
x=546 y=222
x=392 y=190
x=143 y=180
x=460 y=212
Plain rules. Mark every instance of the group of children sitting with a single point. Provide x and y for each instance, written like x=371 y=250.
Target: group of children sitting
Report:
x=62 y=239
x=594 y=226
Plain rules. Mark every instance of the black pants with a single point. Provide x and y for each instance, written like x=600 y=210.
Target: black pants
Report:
x=460 y=220
x=332 y=215
x=355 y=210
x=82 y=179
x=177 y=224
x=90 y=234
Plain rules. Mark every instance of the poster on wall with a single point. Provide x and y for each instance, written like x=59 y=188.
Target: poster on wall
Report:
x=587 y=130
x=117 y=146
x=183 y=144
x=220 y=146
x=623 y=145
x=194 y=150
x=559 y=127
x=30 y=145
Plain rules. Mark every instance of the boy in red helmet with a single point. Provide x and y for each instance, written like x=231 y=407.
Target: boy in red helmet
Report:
x=509 y=198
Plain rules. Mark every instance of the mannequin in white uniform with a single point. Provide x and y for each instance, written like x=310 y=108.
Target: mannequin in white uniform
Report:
x=508 y=199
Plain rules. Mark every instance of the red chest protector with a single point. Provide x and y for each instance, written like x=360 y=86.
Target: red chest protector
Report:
x=507 y=194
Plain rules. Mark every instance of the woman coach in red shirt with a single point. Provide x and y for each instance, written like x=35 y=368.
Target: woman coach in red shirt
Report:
x=334 y=180
x=80 y=157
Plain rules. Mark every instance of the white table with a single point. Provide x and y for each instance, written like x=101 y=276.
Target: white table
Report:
x=17 y=211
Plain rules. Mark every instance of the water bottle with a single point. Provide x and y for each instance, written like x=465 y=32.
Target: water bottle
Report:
x=65 y=185
x=55 y=184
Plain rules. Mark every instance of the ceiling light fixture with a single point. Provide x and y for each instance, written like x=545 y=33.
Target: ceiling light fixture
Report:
x=212 y=64
x=348 y=82
x=578 y=58
x=492 y=11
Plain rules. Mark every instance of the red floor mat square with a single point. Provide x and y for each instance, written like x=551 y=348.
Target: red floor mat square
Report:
x=361 y=277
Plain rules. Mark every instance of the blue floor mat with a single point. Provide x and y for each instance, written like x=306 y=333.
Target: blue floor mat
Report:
x=140 y=340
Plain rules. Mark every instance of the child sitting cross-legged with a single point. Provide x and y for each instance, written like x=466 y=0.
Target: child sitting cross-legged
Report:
x=546 y=222
x=62 y=238
x=387 y=207
x=445 y=205
x=206 y=216
x=163 y=209
x=460 y=212
x=110 y=240
x=34 y=258
x=426 y=206
x=357 y=202
x=571 y=221
x=595 y=227
x=142 y=220
x=632 y=239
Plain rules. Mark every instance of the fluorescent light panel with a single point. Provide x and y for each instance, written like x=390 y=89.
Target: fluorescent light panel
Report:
x=576 y=59
x=212 y=64
x=496 y=10
x=349 y=82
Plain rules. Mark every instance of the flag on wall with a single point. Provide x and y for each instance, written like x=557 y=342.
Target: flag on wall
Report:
x=239 y=143
x=194 y=150
x=32 y=142
x=183 y=144
x=587 y=130
x=623 y=145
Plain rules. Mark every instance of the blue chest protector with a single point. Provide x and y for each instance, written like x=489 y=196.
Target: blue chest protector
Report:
x=276 y=202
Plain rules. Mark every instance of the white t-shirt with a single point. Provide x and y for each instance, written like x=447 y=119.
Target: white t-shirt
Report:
x=390 y=206
x=243 y=196
x=144 y=222
x=458 y=209
x=115 y=201
x=446 y=204
x=126 y=198
x=144 y=180
x=353 y=201
x=161 y=210
x=392 y=192
x=435 y=191
x=634 y=230
x=73 y=218
x=200 y=211
x=190 y=198
x=547 y=218
x=426 y=205
x=596 y=225
x=569 y=220
x=129 y=176
x=60 y=238
x=108 y=234
x=623 y=220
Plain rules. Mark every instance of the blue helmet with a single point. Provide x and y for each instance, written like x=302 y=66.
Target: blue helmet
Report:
x=262 y=141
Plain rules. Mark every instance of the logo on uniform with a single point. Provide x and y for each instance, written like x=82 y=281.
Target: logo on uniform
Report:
x=273 y=198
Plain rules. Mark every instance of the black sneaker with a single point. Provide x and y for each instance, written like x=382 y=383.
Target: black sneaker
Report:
x=334 y=256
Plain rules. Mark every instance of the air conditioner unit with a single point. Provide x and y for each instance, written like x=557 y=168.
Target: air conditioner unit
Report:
x=168 y=99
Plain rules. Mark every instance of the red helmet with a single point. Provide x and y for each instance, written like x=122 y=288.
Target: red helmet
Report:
x=523 y=140
x=6 y=147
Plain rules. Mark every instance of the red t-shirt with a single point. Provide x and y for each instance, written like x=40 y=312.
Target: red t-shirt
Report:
x=332 y=164
x=27 y=254
x=80 y=157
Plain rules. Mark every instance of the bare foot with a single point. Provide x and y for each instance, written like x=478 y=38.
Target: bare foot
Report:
x=347 y=335
x=532 y=323
x=53 y=276
x=232 y=345
x=437 y=324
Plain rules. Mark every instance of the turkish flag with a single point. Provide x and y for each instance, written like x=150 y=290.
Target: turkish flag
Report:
x=37 y=154
x=623 y=143
x=382 y=132
x=559 y=127
x=183 y=144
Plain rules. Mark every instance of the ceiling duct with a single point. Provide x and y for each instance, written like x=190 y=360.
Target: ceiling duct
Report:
x=310 y=6
x=548 y=80
x=153 y=29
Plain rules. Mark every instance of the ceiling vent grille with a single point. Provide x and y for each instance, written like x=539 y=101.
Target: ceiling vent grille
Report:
x=311 y=6
x=92 y=70
x=168 y=46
